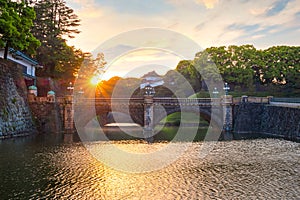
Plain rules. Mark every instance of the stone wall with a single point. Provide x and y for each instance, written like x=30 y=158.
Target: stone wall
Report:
x=47 y=116
x=15 y=115
x=267 y=120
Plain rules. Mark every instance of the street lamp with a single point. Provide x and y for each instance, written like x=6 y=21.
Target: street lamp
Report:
x=226 y=88
x=215 y=93
x=81 y=92
x=149 y=90
x=70 y=87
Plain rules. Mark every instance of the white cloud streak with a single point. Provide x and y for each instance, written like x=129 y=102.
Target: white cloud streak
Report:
x=205 y=21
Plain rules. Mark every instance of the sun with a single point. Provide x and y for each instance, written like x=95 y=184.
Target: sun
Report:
x=95 y=80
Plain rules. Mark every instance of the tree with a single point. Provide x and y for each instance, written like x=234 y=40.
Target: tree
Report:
x=16 y=21
x=235 y=64
x=91 y=69
x=55 y=20
x=187 y=69
x=209 y=71
x=247 y=68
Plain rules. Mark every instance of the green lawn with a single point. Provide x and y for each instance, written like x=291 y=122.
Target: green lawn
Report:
x=169 y=132
x=186 y=134
x=184 y=118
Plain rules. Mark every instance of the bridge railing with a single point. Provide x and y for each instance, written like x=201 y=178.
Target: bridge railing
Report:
x=89 y=101
x=166 y=101
x=194 y=101
x=285 y=100
x=236 y=100
x=258 y=99
x=159 y=100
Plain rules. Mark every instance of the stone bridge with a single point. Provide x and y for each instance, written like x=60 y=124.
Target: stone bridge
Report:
x=149 y=111
x=243 y=115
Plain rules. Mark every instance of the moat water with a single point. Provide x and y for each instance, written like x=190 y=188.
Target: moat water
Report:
x=55 y=166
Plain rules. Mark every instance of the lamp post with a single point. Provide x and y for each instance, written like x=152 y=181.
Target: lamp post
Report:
x=215 y=93
x=226 y=88
x=70 y=87
x=80 y=93
x=227 y=109
x=148 y=113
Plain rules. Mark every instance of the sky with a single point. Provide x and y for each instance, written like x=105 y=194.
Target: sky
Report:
x=207 y=22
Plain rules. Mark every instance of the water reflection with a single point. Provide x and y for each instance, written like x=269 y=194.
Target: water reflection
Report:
x=57 y=168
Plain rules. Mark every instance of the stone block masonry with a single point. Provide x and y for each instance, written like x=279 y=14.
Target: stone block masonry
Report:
x=267 y=120
x=15 y=115
x=47 y=115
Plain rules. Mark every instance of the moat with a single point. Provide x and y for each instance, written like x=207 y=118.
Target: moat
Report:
x=55 y=166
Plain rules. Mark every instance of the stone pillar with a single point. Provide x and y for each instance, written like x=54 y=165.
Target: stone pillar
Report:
x=69 y=114
x=227 y=113
x=32 y=90
x=244 y=99
x=269 y=99
x=51 y=96
x=148 y=118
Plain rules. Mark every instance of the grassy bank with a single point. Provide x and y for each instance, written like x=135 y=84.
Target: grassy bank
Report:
x=186 y=133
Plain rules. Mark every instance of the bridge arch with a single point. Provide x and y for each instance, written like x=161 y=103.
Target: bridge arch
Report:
x=215 y=120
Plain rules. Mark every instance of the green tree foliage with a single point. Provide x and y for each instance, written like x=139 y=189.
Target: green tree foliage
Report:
x=15 y=26
x=55 y=20
x=92 y=67
x=280 y=61
x=247 y=68
x=235 y=64
x=187 y=69
x=91 y=70
x=209 y=73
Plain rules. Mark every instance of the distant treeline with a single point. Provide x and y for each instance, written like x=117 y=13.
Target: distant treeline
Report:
x=247 y=70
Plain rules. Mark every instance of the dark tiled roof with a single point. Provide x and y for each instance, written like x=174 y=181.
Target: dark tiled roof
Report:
x=20 y=54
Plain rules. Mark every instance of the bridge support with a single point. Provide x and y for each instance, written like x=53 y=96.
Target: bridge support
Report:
x=148 y=118
x=227 y=102
x=68 y=114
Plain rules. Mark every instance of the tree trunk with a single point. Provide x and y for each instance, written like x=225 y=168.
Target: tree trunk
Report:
x=5 y=51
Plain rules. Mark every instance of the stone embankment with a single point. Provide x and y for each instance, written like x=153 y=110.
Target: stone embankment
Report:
x=268 y=120
x=15 y=115
x=47 y=112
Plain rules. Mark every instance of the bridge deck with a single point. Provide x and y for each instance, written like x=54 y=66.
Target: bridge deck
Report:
x=156 y=101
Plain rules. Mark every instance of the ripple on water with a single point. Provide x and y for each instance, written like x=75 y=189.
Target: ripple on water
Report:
x=250 y=169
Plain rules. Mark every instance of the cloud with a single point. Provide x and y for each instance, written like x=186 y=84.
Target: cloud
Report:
x=81 y=3
x=136 y=6
x=209 y=4
x=277 y=7
x=139 y=62
x=229 y=22
x=252 y=32
x=244 y=27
